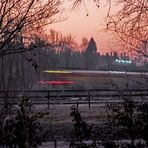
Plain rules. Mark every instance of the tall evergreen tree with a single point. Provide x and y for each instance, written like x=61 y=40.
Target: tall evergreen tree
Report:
x=90 y=54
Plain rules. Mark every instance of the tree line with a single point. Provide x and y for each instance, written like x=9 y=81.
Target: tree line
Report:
x=54 y=52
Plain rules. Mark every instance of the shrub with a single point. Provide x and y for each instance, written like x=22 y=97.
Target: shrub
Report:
x=21 y=129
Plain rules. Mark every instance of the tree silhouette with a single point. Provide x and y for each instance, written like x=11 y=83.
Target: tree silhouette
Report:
x=81 y=131
x=22 y=18
x=90 y=54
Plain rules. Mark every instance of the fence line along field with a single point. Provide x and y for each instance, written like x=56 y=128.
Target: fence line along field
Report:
x=70 y=97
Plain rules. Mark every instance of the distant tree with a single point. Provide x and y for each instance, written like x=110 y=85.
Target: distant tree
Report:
x=42 y=53
x=91 y=47
x=84 y=43
x=68 y=57
x=115 y=55
x=90 y=54
x=108 y=60
x=58 y=40
x=78 y=60
x=62 y=46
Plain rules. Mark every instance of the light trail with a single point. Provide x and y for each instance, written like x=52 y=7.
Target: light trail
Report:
x=93 y=72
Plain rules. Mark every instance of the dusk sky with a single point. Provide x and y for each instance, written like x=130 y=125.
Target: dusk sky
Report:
x=79 y=24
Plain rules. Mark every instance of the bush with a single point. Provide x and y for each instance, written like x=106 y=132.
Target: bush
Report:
x=21 y=129
x=82 y=135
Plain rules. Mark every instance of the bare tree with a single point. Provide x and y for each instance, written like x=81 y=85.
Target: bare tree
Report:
x=21 y=18
x=129 y=23
x=58 y=40
x=84 y=43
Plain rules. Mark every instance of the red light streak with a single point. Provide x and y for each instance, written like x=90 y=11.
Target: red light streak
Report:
x=56 y=82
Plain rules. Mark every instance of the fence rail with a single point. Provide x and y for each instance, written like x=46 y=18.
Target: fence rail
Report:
x=94 y=96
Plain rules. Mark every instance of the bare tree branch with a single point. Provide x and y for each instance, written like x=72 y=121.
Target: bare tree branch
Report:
x=129 y=23
x=22 y=18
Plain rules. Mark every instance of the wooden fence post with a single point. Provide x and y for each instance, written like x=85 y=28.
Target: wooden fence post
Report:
x=55 y=143
x=48 y=100
x=89 y=99
x=77 y=104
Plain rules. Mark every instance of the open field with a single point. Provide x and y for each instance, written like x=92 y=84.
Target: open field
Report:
x=62 y=122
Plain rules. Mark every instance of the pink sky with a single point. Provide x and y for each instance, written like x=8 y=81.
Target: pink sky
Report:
x=80 y=25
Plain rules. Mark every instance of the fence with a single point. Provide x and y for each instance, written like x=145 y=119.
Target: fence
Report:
x=58 y=97
x=70 y=97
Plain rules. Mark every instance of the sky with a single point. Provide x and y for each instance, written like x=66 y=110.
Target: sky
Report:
x=88 y=21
